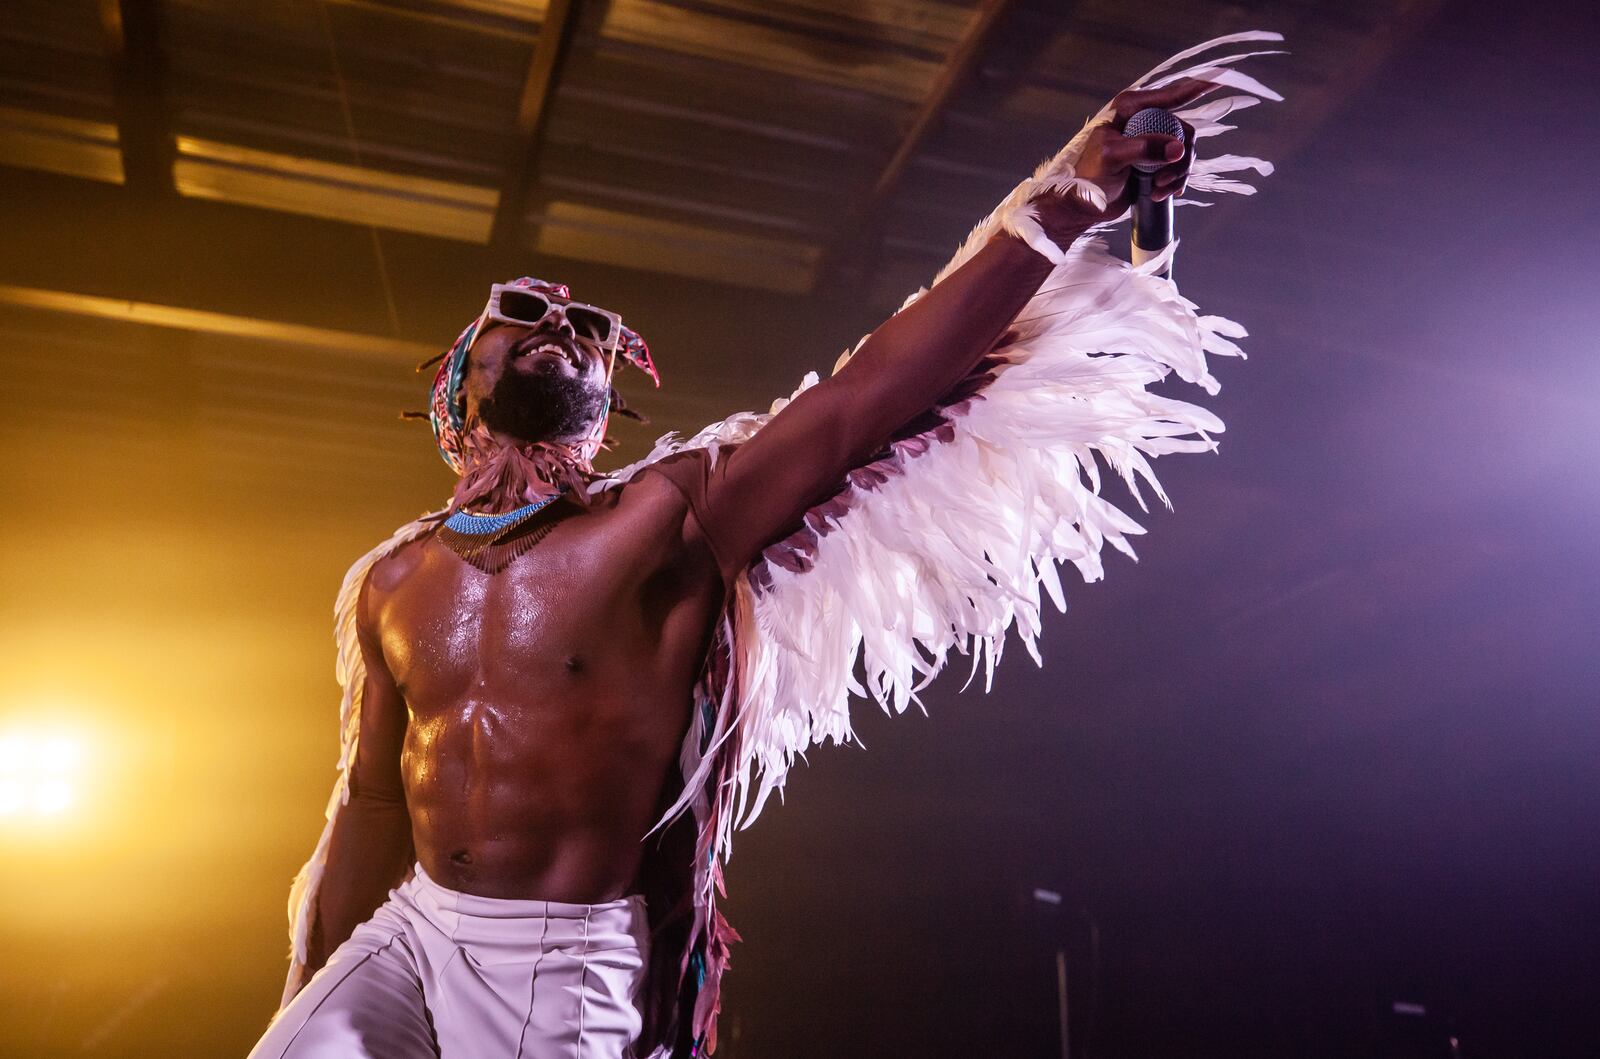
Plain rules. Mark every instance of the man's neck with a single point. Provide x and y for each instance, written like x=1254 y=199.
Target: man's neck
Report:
x=504 y=473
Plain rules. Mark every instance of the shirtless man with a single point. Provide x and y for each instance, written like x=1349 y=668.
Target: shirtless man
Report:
x=521 y=718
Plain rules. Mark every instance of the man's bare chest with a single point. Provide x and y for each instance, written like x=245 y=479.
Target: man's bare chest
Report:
x=600 y=608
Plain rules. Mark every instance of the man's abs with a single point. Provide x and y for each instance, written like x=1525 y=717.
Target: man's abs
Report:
x=547 y=703
x=537 y=799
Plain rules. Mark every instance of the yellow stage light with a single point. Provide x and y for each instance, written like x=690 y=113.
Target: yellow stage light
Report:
x=40 y=772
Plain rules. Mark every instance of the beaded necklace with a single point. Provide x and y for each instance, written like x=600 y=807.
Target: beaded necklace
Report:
x=491 y=542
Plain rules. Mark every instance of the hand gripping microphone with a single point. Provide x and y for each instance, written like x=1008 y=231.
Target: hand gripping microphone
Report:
x=1152 y=221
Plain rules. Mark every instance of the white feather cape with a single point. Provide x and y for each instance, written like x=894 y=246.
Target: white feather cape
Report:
x=945 y=544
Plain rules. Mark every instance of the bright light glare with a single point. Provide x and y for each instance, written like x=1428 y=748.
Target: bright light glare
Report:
x=59 y=754
x=52 y=797
x=38 y=773
x=13 y=797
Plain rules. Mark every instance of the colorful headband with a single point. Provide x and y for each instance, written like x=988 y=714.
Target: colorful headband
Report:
x=447 y=407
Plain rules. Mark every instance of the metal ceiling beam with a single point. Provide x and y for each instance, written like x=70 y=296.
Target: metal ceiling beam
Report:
x=533 y=114
x=204 y=321
x=861 y=227
x=132 y=30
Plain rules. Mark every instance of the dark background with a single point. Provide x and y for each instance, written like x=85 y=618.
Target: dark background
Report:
x=1330 y=744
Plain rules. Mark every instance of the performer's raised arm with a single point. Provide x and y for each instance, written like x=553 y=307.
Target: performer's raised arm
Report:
x=918 y=355
x=369 y=844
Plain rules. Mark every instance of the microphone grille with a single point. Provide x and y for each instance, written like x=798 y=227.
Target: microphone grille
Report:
x=1153 y=120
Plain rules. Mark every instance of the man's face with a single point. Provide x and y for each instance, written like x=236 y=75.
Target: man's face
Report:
x=536 y=383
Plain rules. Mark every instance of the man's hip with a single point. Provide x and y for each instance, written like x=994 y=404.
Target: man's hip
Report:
x=438 y=973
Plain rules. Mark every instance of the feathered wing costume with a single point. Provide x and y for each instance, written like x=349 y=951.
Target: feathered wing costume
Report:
x=941 y=543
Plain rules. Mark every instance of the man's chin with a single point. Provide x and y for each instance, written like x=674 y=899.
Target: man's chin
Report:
x=542 y=407
x=525 y=436
x=555 y=444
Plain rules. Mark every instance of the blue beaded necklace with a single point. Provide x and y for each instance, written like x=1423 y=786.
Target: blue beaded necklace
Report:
x=482 y=539
x=471 y=525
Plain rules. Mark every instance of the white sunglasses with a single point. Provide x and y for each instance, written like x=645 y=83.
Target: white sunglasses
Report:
x=510 y=304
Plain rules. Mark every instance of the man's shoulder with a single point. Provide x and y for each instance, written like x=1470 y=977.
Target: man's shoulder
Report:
x=687 y=475
x=688 y=470
x=668 y=496
x=394 y=565
x=667 y=479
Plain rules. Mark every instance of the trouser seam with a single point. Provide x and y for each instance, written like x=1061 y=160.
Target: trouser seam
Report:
x=306 y=1021
x=533 y=985
x=583 y=982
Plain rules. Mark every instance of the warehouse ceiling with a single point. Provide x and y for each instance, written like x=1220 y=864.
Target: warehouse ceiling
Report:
x=259 y=194
x=736 y=141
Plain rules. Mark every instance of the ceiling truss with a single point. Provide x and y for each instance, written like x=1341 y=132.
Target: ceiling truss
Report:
x=132 y=30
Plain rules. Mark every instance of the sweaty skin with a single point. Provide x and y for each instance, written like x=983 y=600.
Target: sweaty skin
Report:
x=547 y=703
x=519 y=731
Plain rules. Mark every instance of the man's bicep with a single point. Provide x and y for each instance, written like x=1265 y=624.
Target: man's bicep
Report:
x=757 y=493
x=899 y=373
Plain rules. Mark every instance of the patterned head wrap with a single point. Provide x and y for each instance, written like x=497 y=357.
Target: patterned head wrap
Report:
x=447 y=406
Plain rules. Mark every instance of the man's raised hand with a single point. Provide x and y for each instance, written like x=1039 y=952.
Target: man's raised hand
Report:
x=1108 y=157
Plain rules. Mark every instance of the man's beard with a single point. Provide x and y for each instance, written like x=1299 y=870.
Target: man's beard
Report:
x=537 y=406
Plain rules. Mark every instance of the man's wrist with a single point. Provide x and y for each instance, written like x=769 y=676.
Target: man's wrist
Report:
x=1043 y=230
x=1032 y=245
x=1023 y=256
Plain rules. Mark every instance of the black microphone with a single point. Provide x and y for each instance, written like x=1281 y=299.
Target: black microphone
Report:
x=1152 y=221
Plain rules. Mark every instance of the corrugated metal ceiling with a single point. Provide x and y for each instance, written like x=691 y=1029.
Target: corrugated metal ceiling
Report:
x=723 y=139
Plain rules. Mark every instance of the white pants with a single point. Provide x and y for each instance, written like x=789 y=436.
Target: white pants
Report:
x=446 y=975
